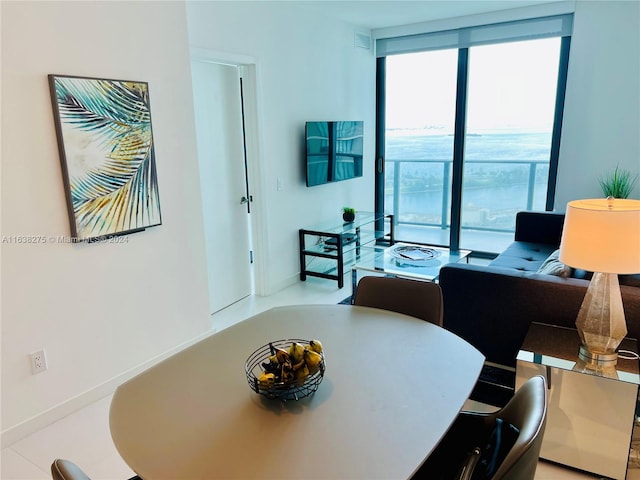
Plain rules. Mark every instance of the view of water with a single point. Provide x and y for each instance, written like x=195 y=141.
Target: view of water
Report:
x=509 y=146
x=500 y=169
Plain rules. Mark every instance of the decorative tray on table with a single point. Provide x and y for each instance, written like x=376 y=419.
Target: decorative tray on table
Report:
x=415 y=255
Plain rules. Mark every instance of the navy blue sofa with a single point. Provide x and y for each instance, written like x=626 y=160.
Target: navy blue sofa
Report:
x=492 y=306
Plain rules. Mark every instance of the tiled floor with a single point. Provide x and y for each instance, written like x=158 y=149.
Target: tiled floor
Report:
x=84 y=436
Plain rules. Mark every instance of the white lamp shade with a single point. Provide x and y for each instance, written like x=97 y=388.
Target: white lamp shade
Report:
x=602 y=235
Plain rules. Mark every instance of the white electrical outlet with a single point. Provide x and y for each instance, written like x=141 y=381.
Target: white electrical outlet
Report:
x=38 y=362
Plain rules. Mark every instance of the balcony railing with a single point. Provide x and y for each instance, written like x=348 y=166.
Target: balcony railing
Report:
x=493 y=191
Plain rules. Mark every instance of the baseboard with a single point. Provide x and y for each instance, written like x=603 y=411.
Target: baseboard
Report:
x=282 y=284
x=73 y=404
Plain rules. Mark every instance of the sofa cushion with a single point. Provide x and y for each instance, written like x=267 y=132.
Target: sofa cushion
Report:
x=539 y=227
x=630 y=280
x=524 y=256
x=553 y=266
x=582 y=274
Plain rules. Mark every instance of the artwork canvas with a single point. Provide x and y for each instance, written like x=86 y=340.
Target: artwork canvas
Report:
x=107 y=155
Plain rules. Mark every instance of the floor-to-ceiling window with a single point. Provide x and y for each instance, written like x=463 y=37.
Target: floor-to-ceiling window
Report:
x=470 y=134
x=419 y=134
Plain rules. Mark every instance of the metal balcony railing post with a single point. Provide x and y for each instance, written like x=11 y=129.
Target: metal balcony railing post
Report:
x=532 y=185
x=396 y=190
x=445 y=195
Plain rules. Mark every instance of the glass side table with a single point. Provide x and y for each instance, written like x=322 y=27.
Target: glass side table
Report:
x=591 y=413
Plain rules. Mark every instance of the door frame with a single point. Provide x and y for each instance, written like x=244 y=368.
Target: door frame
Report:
x=248 y=68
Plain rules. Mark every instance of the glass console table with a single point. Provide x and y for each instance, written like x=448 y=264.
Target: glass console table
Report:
x=327 y=247
x=591 y=413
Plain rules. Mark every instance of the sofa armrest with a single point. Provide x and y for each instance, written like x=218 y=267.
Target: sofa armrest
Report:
x=492 y=307
x=539 y=227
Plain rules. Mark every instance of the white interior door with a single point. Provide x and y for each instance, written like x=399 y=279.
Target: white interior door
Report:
x=223 y=178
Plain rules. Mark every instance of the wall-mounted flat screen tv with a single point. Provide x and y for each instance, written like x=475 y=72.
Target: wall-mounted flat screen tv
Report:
x=333 y=151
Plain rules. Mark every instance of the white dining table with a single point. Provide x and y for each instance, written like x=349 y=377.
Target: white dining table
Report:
x=393 y=385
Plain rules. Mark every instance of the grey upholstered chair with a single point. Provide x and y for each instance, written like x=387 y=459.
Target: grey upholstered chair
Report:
x=464 y=447
x=411 y=297
x=62 y=469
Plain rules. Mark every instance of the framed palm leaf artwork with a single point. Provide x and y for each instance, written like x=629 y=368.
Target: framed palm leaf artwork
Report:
x=107 y=155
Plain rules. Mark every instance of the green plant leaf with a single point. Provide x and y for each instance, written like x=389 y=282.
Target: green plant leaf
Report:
x=618 y=184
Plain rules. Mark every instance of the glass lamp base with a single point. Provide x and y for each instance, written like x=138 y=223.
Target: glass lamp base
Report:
x=600 y=364
x=600 y=323
x=596 y=359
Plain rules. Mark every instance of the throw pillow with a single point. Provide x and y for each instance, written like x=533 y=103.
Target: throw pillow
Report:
x=553 y=266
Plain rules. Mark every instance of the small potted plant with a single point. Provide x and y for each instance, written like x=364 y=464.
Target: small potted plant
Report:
x=618 y=184
x=348 y=214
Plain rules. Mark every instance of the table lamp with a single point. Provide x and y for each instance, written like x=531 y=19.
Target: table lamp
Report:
x=602 y=236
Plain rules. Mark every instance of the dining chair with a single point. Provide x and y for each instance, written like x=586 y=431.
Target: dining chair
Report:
x=417 y=298
x=62 y=469
x=499 y=445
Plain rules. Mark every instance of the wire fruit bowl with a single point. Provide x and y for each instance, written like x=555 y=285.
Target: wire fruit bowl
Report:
x=282 y=390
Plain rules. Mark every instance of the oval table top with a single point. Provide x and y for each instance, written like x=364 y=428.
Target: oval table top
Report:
x=392 y=387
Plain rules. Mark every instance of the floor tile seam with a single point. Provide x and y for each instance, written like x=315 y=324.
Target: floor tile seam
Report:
x=28 y=460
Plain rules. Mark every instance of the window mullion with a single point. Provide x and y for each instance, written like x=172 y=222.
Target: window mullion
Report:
x=378 y=172
x=557 y=122
x=458 y=147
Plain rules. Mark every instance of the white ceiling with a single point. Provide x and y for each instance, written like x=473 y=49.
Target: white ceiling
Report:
x=372 y=14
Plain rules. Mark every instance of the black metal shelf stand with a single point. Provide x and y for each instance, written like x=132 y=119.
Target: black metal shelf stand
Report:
x=333 y=241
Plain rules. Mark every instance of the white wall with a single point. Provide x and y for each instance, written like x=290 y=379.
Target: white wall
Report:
x=307 y=69
x=99 y=310
x=601 y=125
x=103 y=310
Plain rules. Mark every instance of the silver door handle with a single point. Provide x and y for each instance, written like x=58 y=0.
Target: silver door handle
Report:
x=244 y=200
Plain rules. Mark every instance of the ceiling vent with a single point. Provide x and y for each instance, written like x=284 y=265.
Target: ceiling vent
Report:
x=362 y=40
